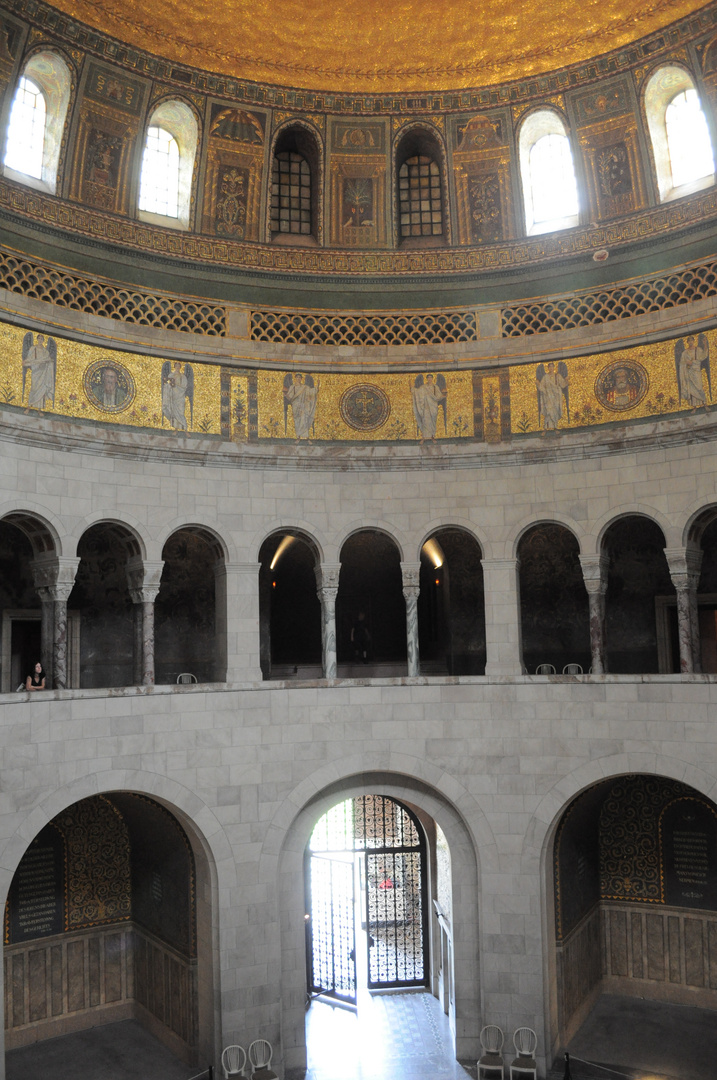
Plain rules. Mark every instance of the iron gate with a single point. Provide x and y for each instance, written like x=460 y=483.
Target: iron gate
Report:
x=384 y=841
x=333 y=932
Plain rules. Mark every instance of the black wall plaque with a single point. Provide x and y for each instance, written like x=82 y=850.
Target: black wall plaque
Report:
x=688 y=831
x=37 y=893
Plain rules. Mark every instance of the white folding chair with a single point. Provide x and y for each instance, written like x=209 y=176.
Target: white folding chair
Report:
x=233 y=1062
x=545 y=669
x=186 y=677
x=573 y=669
x=260 y=1053
x=525 y=1042
x=490 y=1064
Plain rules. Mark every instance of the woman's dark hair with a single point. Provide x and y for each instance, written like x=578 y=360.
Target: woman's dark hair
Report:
x=38 y=676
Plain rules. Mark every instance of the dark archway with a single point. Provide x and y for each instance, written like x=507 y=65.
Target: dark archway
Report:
x=704 y=532
x=102 y=600
x=106 y=921
x=19 y=606
x=289 y=611
x=370 y=584
x=553 y=599
x=451 y=605
x=637 y=575
x=185 y=619
x=635 y=888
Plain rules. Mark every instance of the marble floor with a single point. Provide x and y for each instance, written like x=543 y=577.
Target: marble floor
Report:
x=401 y=1036
x=121 y=1051
x=626 y=1037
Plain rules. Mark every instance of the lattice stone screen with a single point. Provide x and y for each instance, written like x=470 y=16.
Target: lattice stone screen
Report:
x=607 y=305
x=299 y=328
x=114 y=302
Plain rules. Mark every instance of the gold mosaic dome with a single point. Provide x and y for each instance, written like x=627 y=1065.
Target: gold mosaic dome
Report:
x=374 y=46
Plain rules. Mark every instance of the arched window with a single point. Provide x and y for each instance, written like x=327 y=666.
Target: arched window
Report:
x=681 y=142
x=37 y=120
x=159 y=189
x=550 y=192
x=421 y=203
x=294 y=211
x=26 y=131
x=165 y=190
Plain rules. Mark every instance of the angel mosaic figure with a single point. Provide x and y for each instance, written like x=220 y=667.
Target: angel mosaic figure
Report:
x=553 y=390
x=300 y=395
x=429 y=395
x=691 y=359
x=177 y=389
x=39 y=357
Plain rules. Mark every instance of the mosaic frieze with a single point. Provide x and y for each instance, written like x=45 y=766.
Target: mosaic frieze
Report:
x=44 y=374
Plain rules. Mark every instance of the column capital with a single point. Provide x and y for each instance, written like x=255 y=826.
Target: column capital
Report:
x=411 y=574
x=684 y=565
x=54 y=592
x=327 y=576
x=143 y=579
x=595 y=569
x=411 y=592
x=50 y=571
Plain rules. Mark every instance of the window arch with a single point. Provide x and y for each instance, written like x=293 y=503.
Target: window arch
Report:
x=37 y=121
x=547 y=172
x=679 y=133
x=170 y=147
x=421 y=203
x=294 y=203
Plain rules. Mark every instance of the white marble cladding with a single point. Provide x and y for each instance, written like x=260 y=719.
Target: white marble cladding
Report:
x=249 y=767
x=249 y=771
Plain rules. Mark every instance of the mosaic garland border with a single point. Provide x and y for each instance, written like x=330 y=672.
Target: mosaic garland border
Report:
x=77 y=34
x=209 y=250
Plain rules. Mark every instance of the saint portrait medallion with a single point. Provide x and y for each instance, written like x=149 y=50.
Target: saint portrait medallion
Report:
x=109 y=386
x=364 y=407
x=621 y=385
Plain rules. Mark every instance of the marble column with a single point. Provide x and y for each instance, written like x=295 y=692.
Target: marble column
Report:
x=327 y=582
x=411 y=573
x=684 y=565
x=54 y=578
x=60 y=594
x=143 y=579
x=595 y=568
x=47 y=633
x=503 y=631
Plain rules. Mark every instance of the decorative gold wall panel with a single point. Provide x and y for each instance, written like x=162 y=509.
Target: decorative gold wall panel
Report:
x=61 y=378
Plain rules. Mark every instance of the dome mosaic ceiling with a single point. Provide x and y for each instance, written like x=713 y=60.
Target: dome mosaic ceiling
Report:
x=374 y=46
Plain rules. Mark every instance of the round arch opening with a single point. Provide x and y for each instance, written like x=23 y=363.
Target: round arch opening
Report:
x=633 y=892
x=108 y=918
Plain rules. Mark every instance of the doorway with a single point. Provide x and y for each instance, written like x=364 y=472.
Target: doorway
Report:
x=367 y=900
x=21 y=639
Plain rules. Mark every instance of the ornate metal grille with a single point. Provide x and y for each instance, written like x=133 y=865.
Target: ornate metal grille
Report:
x=333 y=955
x=302 y=328
x=381 y=839
x=608 y=305
x=128 y=305
x=419 y=195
